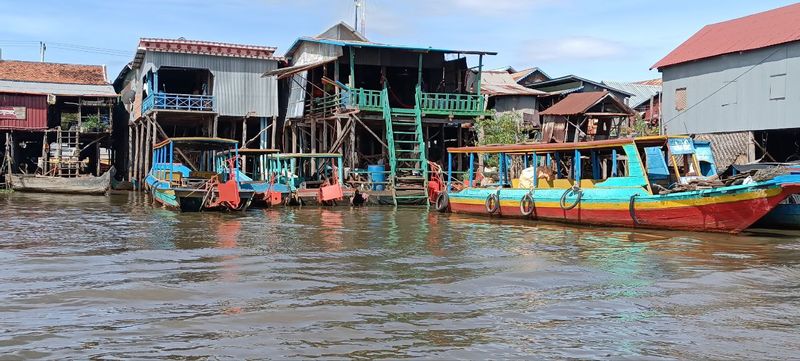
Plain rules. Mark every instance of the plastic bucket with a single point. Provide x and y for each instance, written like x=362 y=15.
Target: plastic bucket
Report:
x=377 y=176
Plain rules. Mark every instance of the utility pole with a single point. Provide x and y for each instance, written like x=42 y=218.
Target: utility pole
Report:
x=42 y=49
x=361 y=11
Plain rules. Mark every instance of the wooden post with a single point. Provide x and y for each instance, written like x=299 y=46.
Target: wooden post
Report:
x=137 y=153
x=215 y=126
x=44 y=153
x=129 y=165
x=244 y=142
x=97 y=154
x=274 y=132
x=352 y=80
x=460 y=144
x=313 y=141
x=147 y=146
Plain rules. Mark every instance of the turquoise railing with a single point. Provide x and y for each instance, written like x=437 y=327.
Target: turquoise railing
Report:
x=365 y=99
x=451 y=104
x=187 y=102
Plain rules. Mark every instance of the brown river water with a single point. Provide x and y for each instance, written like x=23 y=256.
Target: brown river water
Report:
x=113 y=277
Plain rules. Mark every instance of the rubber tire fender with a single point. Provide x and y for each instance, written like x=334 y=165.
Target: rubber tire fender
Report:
x=492 y=203
x=527 y=199
x=442 y=202
x=563 y=200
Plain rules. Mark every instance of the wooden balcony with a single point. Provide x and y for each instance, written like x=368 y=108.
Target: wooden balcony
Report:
x=185 y=102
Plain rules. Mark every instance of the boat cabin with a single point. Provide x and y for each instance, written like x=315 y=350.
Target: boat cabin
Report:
x=656 y=163
x=190 y=161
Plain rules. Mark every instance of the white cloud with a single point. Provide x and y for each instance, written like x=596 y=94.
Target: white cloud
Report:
x=574 y=48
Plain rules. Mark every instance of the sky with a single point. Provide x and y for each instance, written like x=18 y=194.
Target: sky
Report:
x=600 y=40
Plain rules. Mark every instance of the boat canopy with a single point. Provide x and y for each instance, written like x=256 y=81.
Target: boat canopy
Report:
x=199 y=143
x=247 y=151
x=281 y=156
x=527 y=148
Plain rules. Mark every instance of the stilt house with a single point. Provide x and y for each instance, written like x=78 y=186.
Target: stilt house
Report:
x=399 y=106
x=178 y=87
x=55 y=119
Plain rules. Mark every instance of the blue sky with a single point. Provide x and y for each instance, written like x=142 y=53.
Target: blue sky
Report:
x=601 y=40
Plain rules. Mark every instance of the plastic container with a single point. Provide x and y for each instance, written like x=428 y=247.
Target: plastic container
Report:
x=377 y=176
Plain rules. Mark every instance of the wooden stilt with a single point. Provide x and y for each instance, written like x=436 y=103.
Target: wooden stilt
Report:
x=129 y=165
x=215 y=126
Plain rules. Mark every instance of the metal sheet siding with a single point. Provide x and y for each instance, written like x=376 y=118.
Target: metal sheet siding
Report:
x=745 y=104
x=238 y=85
x=36 y=111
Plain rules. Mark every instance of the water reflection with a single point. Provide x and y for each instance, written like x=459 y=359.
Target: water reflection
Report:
x=97 y=277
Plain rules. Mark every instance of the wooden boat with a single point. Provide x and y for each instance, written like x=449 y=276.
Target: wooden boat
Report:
x=648 y=182
x=308 y=178
x=254 y=175
x=195 y=184
x=74 y=185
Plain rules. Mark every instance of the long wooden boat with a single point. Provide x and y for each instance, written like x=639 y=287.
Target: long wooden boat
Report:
x=91 y=185
x=308 y=178
x=195 y=184
x=643 y=183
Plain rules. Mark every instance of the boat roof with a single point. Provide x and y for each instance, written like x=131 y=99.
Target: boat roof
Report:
x=252 y=151
x=199 y=143
x=554 y=147
x=305 y=155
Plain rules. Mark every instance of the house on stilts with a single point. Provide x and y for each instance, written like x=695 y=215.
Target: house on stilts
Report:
x=178 y=87
x=55 y=119
x=379 y=104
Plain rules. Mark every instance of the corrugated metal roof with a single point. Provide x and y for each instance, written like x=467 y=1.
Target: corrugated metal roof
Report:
x=22 y=87
x=641 y=93
x=579 y=103
x=751 y=32
x=498 y=83
x=573 y=78
x=195 y=47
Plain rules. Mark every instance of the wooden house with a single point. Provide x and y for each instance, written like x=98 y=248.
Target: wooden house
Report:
x=55 y=118
x=399 y=106
x=179 y=87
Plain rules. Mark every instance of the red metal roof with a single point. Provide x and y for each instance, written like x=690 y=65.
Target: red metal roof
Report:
x=207 y=48
x=29 y=71
x=576 y=103
x=751 y=32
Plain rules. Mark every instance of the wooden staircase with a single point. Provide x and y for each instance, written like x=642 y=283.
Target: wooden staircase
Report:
x=68 y=153
x=408 y=162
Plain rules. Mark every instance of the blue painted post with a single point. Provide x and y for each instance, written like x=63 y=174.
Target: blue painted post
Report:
x=595 y=165
x=577 y=166
x=340 y=169
x=449 y=170
x=535 y=170
x=471 y=169
x=614 y=163
x=500 y=169
x=525 y=160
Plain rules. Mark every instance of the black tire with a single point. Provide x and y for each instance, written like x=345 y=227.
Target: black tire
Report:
x=492 y=203
x=526 y=205
x=442 y=202
x=563 y=201
x=632 y=210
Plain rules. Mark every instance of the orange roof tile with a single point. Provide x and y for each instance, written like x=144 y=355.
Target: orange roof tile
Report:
x=29 y=71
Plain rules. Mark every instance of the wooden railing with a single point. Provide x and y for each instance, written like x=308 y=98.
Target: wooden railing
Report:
x=187 y=102
x=451 y=104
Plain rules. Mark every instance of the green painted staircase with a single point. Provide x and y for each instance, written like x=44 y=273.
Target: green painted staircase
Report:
x=408 y=162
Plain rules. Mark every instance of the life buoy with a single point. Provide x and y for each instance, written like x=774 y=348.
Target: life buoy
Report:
x=493 y=203
x=526 y=205
x=573 y=190
x=442 y=202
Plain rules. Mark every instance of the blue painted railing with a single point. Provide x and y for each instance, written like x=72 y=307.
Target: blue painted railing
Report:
x=188 y=102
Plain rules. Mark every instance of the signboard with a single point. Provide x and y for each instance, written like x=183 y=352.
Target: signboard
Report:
x=679 y=146
x=12 y=113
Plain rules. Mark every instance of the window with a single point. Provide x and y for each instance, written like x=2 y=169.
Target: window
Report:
x=777 y=87
x=680 y=99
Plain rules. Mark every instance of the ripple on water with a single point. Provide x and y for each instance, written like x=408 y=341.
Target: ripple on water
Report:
x=113 y=277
